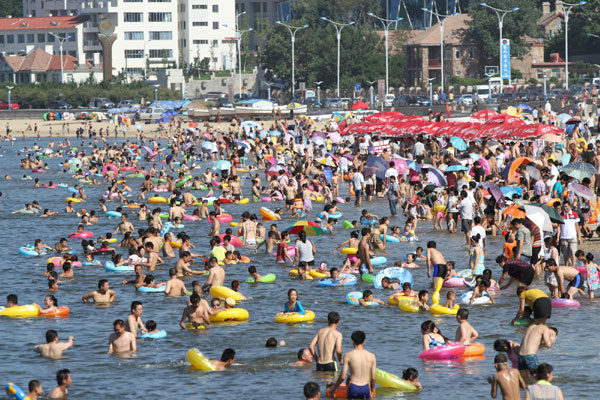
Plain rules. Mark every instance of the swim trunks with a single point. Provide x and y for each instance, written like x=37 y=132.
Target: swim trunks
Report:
x=328 y=367
x=528 y=362
x=577 y=282
x=359 y=392
x=542 y=308
x=363 y=269
x=440 y=270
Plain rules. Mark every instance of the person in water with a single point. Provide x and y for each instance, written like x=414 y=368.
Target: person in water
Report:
x=509 y=380
x=35 y=390
x=360 y=364
x=293 y=304
x=226 y=361
x=63 y=380
x=328 y=342
x=465 y=333
x=52 y=348
x=432 y=336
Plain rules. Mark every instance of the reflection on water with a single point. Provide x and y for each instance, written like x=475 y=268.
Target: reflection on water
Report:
x=160 y=365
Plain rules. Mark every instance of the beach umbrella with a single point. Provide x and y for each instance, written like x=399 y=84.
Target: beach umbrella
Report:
x=515 y=211
x=243 y=143
x=551 y=211
x=436 y=177
x=509 y=172
x=580 y=170
x=318 y=140
x=581 y=191
x=564 y=117
x=271 y=160
x=510 y=191
x=456 y=168
x=458 y=143
x=413 y=165
x=524 y=107
x=573 y=121
x=309 y=227
x=328 y=174
x=327 y=161
x=139 y=126
x=400 y=165
x=334 y=137
x=484 y=164
x=539 y=217
x=246 y=126
x=484 y=114
x=379 y=164
x=497 y=194
x=274 y=133
x=274 y=170
x=552 y=138
x=533 y=172
x=221 y=165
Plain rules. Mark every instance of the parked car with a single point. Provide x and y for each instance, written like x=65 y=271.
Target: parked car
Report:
x=333 y=103
x=312 y=102
x=522 y=96
x=388 y=100
x=495 y=98
x=404 y=100
x=128 y=104
x=150 y=114
x=506 y=97
x=59 y=105
x=535 y=93
x=466 y=100
x=101 y=102
x=4 y=106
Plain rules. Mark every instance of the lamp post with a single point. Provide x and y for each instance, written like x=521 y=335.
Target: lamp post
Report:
x=386 y=27
x=319 y=93
x=61 y=40
x=238 y=38
x=371 y=91
x=146 y=58
x=544 y=72
x=268 y=90
x=489 y=76
x=441 y=22
x=10 y=88
x=338 y=28
x=430 y=91
x=156 y=92
x=567 y=11
x=293 y=30
x=501 y=14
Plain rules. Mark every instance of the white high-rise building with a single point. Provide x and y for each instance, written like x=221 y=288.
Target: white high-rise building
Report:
x=152 y=34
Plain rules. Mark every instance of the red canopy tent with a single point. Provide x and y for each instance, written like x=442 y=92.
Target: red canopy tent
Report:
x=359 y=105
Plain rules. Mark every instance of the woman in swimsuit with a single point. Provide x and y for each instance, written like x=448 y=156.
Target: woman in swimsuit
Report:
x=293 y=305
x=432 y=336
x=477 y=256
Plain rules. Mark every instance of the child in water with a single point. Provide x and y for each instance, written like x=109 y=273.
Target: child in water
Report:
x=410 y=262
x=422 y=300
x=412 y=375
x=151 y=326
x=368 y=297
x=481 y=289
x=432 y=336
x=450 y=296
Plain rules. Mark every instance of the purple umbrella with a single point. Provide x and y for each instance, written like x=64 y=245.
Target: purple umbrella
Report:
x=436 y=177
x=379 y=164
x=581 y=190
x=400 y=165
x=497 y=193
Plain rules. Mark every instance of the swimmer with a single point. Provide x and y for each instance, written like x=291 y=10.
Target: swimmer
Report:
x=35 y=390
x=175 y=286
x=139 y=277
x=312 y=391
x=432 y=336
x=149 y=282
x=50 y=302
x=293 y=306
x=361 y=366
x=216 y=274
x=226 y=361
x=465 y=333
x=412 y=375
x=509 y=380
x=103 y=295
x=121 y=341
x=305 y=358
x=387 y=284
x=369 y=297
x=410 y=262
x=272 y=342
x=52 y=348
x=47 y=213
x=254 y=273
x=482 y=288
x=63 y=380
x=510 y=348
x=151 y=326
x=450 y=296
x=435 y=261
x=537 y=335
x=196 y=314
x=422 y=300
x=134 y=320
x=407 y=290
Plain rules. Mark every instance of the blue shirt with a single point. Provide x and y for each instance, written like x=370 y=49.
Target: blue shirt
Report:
x=298 y=308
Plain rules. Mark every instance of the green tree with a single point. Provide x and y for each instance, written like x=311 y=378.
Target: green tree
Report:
x=484 y=28
x=583 y=20
x=11 y=7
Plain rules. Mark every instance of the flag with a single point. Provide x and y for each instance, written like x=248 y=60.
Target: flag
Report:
x=447 y=111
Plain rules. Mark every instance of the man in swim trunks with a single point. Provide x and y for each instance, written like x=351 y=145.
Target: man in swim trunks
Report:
x=125 y=226
x=63 y=379
x=329 y=342
x=175 y=286
x=121 y=341
x=537 y=335
x=52 y=348
x=134 y=320
x=362 y=365
x=305 y=358
x=563 y=273
x=249 y=231
x=537 y=300
x=435 y=260
x=508 y=379
x=104 y=295
x=183 y=265
x=236 y=189
x=226 y=361
x=364 y=252
x=216 y=274
x=518 y=270
x=195 y=313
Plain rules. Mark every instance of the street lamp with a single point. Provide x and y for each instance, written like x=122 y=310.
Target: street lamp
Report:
x=386 y=26
x=268 y=90
x=568 y=10
x=501 y=14
x=156 y=92
x=544 y=72
x=430 y=91
x=61 y=40
x=145 y=58
x=338 y=28
x=489 y=76
x=10 y=88
x=293 y=30
x=238 y=36
x=371 y=92
x=319 y=93
x=441 y=22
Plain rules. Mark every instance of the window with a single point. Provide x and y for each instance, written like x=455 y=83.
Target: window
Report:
x=11 y=39
x=471 y=52
x=457 y=54
x=30 y=38
x=132 y=1
x=73 y=53
x=159 y=1
x=135 y=71
x=215 y=43
x=161 y=53
x=199 y=23
x=159 y=17
x=134 y=35
x=216 y=25
x=133 y=17
x=199 y=7
x=134 y=53
x=161 y=35
x=72 y=37
x=201 y=41
x=41 y=37
x=215 y=8
x=1 y=39
x=21 y=38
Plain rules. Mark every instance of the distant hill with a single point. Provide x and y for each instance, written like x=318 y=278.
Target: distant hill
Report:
x=11 y=7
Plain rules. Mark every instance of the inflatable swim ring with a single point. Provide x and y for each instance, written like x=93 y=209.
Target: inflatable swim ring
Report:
x=81 y=235
x=445 y=352
x=223 y=218
x=398 y=296
x=109 y=266
x=349 y=250
x=73 y=199
x=564 y=303
x=268 y=278
x=293 y=318
x=13 y=391
x=354 y=297
x=437 y=309
x=473 y=350
x=393 y=273
x=25 y=311
x=268 y=214
x=347 y=279
x=154 y=335
x=294 y=273
x=223 y=292
x=347 y=224
x=391 y=239
x=230 y=315
x=466 y=298
x=60 y=311
x=198 y=361
x=368 y=278
x=368 y=222
x=113 y=214
x=235 y=241
x=387 y=380
x=380 y=260
x=157 y=200
x=30 y=251
x=342 y=392
x=454 y=283
x=145 y=289
x=408 y=305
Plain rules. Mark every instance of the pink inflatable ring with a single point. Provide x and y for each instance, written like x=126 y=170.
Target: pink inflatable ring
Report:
x=81 y=235
x=222 y=218
x=454 y=283
x=235 y=241
x=564 y=303
x=445 y=352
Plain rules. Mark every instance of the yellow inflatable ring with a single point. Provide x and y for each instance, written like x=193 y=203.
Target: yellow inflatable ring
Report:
x=268 y=214
x=316 y=274
x=157 y=200
x=436 y=309
x=294 y=272
x=245 y=200
x=408 y=306
x=397 y=297
x=234 y=224
x=222 y=292
x=292 y=318
x=174 y=244
x=25 y=311
x=349 y=250
x=231 y=315
x=73 y=199
x=198 y=361
x=190 y=327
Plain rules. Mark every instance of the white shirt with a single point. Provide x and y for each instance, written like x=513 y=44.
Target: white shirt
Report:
x=465 y=207
x=568 y=229
x=391 y=172
x=419 y=149
x=358 y=179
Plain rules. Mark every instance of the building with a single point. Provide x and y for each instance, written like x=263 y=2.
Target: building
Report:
x=40 y=66
x=551 y=21
x=207 y=30
x=22 y=35
x=151 y=34
x=265 y=12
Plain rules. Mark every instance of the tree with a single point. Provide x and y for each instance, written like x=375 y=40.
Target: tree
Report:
x=11 y=7
x=483 y=26
x=582 y=20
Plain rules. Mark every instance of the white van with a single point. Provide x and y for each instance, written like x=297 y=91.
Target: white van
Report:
x=389 y=100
